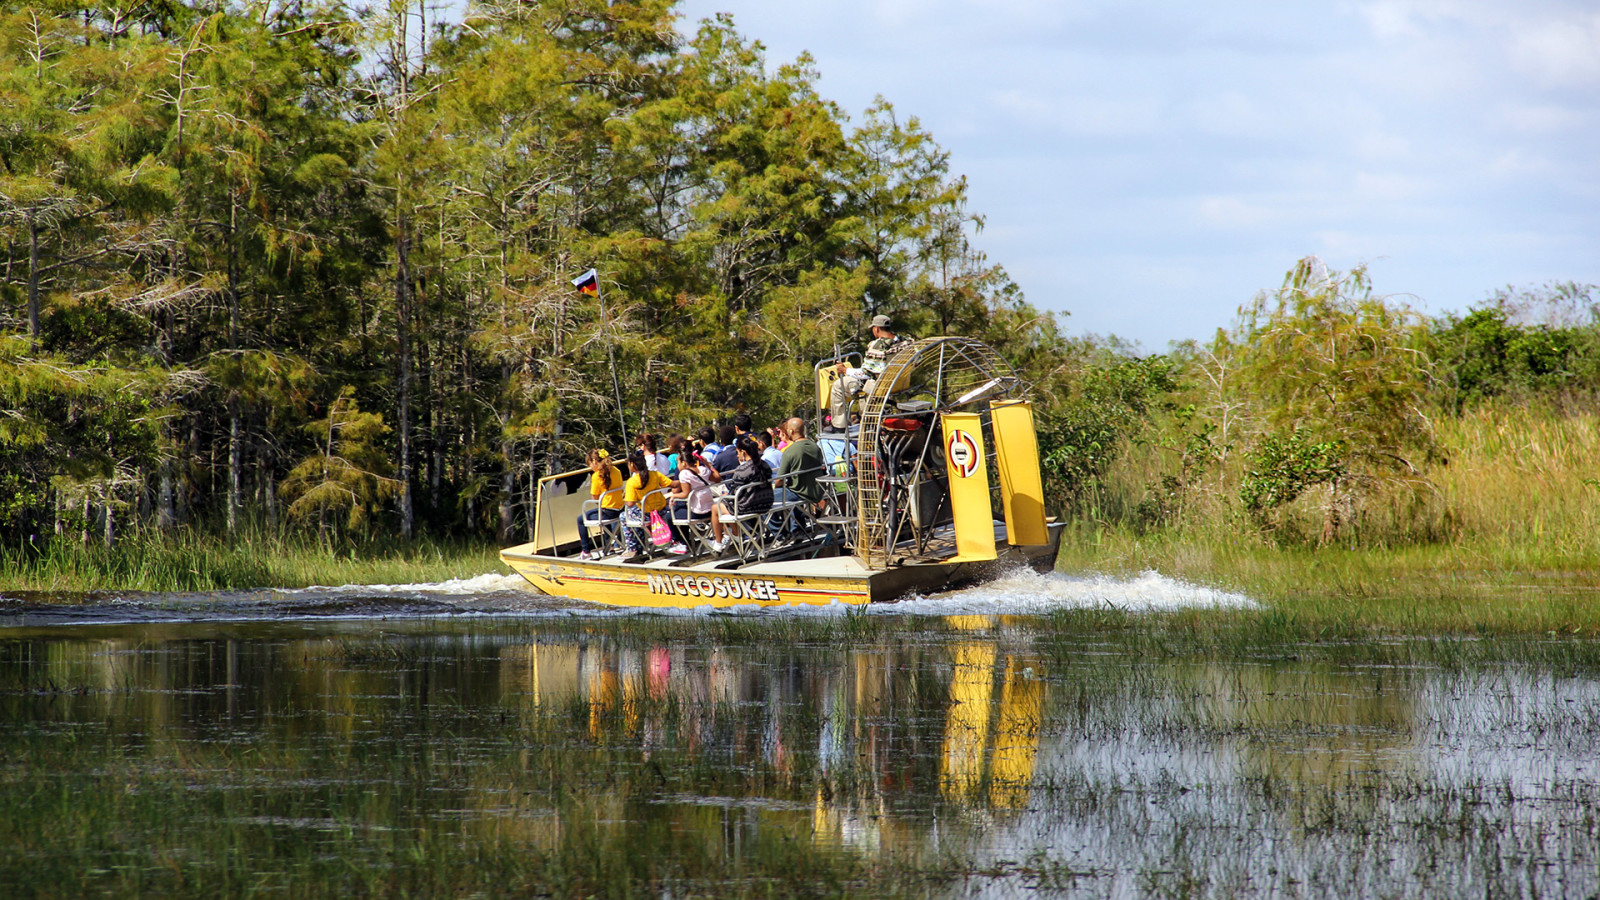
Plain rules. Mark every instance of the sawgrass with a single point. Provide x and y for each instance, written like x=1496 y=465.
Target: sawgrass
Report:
x=1429 y=589
x=194 y=562
x=1504 y=536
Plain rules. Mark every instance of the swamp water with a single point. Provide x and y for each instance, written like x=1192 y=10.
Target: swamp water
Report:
x=1041 y=734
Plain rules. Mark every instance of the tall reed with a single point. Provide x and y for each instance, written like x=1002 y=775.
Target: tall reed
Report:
x=192 y=561
x=1504 y=534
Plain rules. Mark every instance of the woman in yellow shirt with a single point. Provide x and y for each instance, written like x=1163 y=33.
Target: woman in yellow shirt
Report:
x=605 y=485
x=642 y=494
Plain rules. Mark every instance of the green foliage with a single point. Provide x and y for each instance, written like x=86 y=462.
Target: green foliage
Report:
x=1109 y=405
x=1521 y=345
x=67 y=431
x=1194 y=443
x=1282 y=466
x=1328 y=358
x=349 y=473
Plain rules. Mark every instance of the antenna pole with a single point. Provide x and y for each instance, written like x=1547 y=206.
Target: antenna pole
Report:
x=611 y=356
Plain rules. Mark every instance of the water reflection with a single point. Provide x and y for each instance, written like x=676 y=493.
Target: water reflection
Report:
x=859 y=726
x=1033 y=758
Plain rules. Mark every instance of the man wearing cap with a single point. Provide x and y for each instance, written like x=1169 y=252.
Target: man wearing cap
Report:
x=855 y=381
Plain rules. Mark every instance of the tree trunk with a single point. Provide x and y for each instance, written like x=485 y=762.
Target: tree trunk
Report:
x=110 y=522
x=235 y=467
x=235 y=438
x=402 y=301
x=33 y=281
x=166 y=514
x=269 y=484
x=508 y=493
x=1330 y=516
x=533 y=493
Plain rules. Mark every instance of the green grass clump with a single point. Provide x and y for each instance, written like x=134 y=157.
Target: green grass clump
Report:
x=1416 y=590
x=199 y=562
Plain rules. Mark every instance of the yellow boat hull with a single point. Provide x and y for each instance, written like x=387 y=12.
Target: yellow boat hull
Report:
x=660 y=584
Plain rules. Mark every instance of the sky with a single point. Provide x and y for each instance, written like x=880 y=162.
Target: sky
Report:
x=1149 y=166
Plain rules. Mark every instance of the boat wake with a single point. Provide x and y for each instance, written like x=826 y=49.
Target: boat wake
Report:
x=493 y=594
x=1029 y=593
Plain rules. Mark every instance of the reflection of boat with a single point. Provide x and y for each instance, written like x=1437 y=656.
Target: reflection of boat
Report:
x=938 y=486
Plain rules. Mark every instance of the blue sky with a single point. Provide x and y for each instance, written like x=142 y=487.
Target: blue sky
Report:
x=1150 y=166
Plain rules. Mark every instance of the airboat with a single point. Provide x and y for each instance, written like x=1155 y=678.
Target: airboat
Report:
x=937 y=487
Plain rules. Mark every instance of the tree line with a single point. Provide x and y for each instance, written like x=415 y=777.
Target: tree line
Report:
x=283 y=262
x=293 y=265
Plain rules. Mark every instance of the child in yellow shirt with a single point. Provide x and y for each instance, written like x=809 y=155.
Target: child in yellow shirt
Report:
x=605 y=485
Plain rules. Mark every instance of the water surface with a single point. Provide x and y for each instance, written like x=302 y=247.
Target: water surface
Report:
x=1042 y=733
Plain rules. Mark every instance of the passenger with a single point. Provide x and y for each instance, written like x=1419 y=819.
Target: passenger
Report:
x=605 y=485
x=708 y=438
x=756 y=498
x=741 y=425
x=801 y=466
x=856 y=381
x=657 y=462
x=691 y=494
x=769 y=454
x=727 y=459
x=642 y=494
x=780 y=439
x=675 y=447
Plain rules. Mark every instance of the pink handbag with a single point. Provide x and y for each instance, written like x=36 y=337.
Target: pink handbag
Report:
x=660 y=532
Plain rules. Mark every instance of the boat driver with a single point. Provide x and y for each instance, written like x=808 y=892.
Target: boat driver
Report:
x=853 y=381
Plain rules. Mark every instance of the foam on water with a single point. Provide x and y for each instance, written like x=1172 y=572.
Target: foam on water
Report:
x=1026 y=592
x=1023 y=592
x=487 y=583
x=498 y=594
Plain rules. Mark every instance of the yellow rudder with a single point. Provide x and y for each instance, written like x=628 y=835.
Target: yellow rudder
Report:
x=1016 y=448
x=969 y=486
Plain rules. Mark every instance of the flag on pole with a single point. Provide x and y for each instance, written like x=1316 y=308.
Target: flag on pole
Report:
x=588 y=283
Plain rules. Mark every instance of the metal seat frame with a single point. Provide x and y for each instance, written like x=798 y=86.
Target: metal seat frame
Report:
x=610 y=530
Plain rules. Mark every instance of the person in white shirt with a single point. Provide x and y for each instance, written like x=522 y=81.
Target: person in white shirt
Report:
x=691 y=492
x=654 y=461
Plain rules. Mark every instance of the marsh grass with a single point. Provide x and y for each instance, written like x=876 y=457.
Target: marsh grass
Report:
x=1418 y=590
x=199 y=562
x=1504 y=534
x=1504 y=538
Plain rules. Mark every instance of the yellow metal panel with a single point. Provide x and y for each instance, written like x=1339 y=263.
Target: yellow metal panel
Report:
x=969 y=486
x=825 y=378
x=1016 y=448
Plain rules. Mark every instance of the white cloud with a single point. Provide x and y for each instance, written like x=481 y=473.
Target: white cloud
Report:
x=1561 y=52
x=1518 y=163
x=1542 y=118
